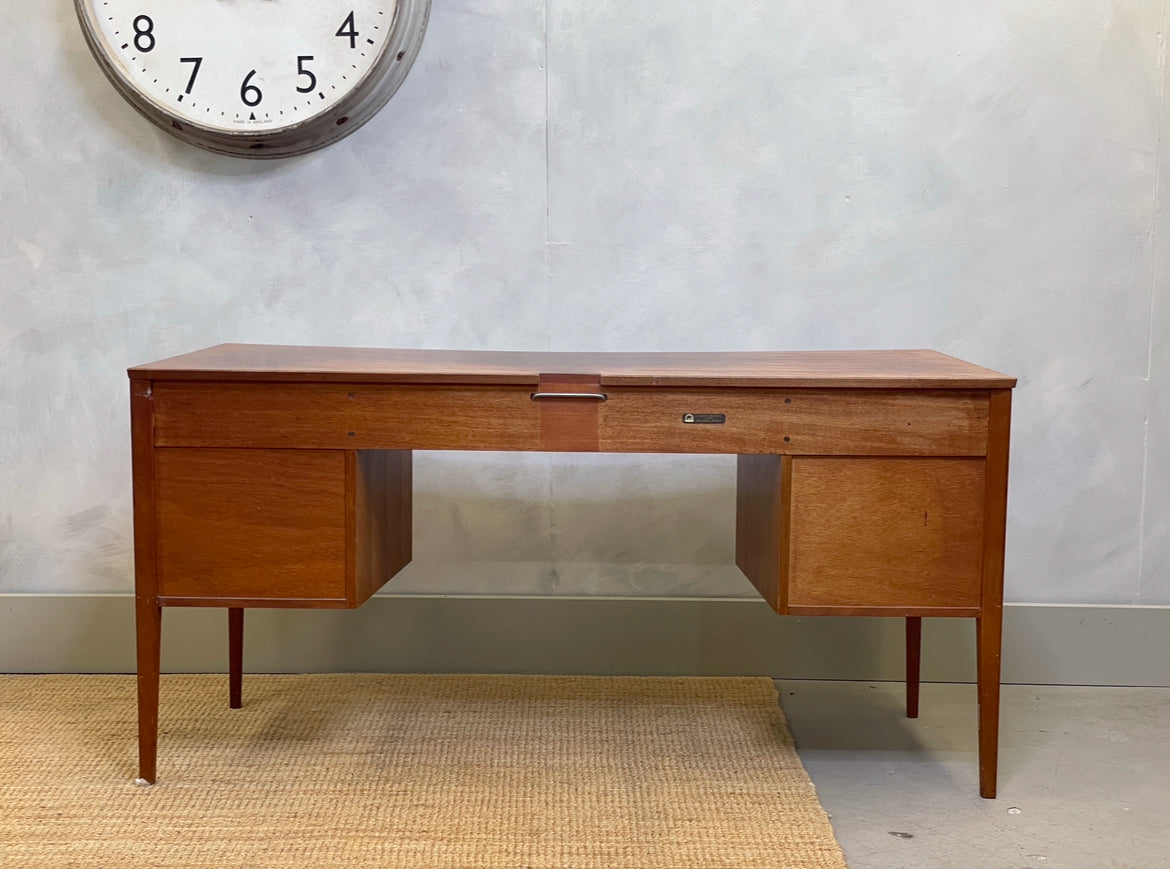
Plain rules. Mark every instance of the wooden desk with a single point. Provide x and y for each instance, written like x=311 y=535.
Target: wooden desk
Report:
x=869 y=483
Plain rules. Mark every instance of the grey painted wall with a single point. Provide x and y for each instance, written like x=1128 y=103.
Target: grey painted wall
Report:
x=978 y=177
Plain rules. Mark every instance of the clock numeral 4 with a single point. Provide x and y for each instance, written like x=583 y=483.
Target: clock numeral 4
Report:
x=348 y=28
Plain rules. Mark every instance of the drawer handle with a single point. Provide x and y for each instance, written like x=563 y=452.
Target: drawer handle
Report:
x=595 y=396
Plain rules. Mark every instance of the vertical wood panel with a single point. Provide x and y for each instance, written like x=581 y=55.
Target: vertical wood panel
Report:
x=761 y=524
x=569 y=424
x=142 y=458
x=383 y=520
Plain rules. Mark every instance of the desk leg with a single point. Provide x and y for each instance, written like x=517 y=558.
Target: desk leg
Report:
x=988 y=631
x=149 y=626
x=147 y=612
x=913 y=663
x=989 y=625
x=235 y=657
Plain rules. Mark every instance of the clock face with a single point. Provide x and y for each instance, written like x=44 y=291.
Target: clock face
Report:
x=255 y=77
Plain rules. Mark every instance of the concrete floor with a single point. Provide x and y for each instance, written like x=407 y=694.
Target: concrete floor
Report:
x=1084 y=775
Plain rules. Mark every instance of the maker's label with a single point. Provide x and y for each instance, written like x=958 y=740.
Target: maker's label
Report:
x=705 y=418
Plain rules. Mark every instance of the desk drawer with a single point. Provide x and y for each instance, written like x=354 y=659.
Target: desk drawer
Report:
x=796 y=421
x=899 y=533
x=251 y=524
x=863 y=536
x=345 y=416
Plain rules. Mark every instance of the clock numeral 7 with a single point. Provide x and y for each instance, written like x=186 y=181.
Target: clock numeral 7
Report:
x=302 y=71
x=198 y=61
x=348 y=28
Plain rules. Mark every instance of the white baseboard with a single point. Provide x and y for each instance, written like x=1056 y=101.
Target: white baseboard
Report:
x=1043 y=644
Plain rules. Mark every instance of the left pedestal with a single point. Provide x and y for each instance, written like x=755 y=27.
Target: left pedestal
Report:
x=235 y=528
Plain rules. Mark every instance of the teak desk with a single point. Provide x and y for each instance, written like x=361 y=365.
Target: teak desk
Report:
x=870 y=483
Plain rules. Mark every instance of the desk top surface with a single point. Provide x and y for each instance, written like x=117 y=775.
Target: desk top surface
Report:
x=888 y=369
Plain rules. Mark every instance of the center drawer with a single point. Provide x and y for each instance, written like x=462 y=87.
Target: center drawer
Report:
x=872 y=422
x=345 y=416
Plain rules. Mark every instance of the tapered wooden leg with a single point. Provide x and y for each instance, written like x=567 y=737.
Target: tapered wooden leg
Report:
x=147 y=612
x=989 y=625
x=149 y=628
x=913 y=663
x=235 y=657
x=989 y=632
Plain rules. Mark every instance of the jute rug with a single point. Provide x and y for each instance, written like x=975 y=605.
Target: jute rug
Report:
x=417 y=772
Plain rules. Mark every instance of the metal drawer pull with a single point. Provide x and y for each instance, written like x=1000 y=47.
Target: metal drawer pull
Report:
x=596 y=396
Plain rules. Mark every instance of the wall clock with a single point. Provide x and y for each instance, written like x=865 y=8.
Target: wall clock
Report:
x=256 y=78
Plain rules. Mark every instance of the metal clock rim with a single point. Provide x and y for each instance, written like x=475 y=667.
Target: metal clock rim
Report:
x=367 y=97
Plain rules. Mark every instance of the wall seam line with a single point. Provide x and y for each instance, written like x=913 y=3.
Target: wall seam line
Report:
x=548 y=324
x=1154 y=262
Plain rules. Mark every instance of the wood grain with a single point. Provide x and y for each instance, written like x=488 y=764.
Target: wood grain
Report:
x=792 y=422
x=569 y=424
x=989 y=625
x=908 y=369
x=881 y=532
x=147 y=610
x=892 y=611
x=761 y=525
x=382 y=501
x=346 y=416
x=251 y=524
x=825 y=422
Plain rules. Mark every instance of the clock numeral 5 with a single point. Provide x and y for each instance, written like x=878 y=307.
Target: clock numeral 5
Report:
x=302 y=71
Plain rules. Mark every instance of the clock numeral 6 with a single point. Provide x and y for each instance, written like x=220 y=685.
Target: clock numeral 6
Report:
x=249 y=93
x=302 y=71
x=144 y=33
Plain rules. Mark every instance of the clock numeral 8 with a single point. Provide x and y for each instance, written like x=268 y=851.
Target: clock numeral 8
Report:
x=144 y=34
x=249 y=93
